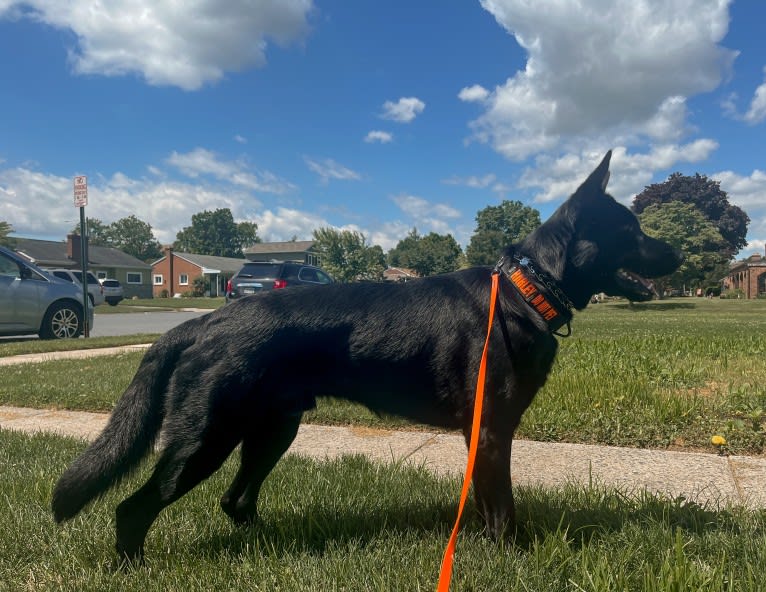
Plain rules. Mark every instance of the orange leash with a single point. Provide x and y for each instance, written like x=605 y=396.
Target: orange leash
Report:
x=446 y=570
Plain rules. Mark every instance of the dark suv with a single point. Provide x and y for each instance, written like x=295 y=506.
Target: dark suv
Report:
x=258 y=276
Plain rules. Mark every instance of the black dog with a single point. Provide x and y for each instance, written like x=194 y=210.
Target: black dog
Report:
x=246 y=372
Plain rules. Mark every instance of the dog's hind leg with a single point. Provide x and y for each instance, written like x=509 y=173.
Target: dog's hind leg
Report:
x=262 y=447
x=189 y=458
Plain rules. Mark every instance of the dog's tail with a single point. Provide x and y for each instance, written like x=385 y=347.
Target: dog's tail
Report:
x=131 y=432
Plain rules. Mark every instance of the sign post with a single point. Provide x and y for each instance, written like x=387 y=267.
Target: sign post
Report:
x=80 y=201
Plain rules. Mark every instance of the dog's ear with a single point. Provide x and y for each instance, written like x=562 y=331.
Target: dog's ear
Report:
x=583 y=253
x=597 y=180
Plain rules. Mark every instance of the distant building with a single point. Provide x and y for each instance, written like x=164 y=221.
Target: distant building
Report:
x=748 y=275
x=303 y=251
x=399 y=274
x=103 y=262
x=174 y=273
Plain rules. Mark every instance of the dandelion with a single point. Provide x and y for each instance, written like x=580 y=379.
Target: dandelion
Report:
x=718 y=440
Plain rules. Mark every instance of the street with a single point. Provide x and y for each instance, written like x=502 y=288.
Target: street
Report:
x=110 y=325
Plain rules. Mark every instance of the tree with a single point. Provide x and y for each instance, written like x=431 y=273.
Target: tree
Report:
x=134 y=237
x=216 y=233
x=5 y=230
x=707 y=196
x=346 y=255
x=686 y=228
x=497 y=227
x=98 y=232
x=130 y=235
x=427 y=255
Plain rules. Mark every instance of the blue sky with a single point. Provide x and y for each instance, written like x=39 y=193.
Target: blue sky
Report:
x=371 y=116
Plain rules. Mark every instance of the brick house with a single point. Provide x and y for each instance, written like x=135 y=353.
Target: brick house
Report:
x=175 y=272
x=748 y=275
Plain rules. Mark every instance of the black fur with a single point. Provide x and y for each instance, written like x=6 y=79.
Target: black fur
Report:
x=246 y=372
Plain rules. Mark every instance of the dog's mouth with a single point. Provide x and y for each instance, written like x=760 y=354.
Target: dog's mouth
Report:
x=633 y=286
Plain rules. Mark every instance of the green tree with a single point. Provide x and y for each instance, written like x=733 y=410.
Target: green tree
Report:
x=707 y=196
x=497 y=227
x=98 y=232
x=216 y=233
x=134 y=237
x=427 y=255
x=686 y=228
x=5 y=230
x=346 y=255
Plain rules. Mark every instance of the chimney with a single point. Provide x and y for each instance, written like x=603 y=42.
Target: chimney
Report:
x=73 y=247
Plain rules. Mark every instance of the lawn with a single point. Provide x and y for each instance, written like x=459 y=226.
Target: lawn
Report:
x=142 y=304
x=354 y=525
x=662 y=375
x=666 y=374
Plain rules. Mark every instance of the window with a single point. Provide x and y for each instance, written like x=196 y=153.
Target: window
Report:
x=134 y=277
x=9 y=268
x=101 y=275
x=63 y=275
x=183 y=279
x=158 y=279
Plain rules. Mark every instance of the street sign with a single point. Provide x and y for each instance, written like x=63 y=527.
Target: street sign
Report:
x=80 y=191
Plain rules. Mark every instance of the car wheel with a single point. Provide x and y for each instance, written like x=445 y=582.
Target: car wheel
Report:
x=113 y=302
x=62 y=321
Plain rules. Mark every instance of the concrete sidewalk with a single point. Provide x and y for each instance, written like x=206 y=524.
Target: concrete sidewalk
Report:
x=700 y=477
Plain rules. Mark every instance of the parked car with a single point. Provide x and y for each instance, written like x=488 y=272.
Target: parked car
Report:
x=33 y=301
x=113 y=292
x=95 y=290
x=257 y=276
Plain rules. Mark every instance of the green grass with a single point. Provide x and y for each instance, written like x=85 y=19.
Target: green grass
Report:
x=663 y=375
x=141 y=304
x=351 y=524
x=37 y=346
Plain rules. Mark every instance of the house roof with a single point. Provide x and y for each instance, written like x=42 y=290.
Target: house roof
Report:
x=281 y=247
x=54 y=254
x=755 y=260
x=210 y=263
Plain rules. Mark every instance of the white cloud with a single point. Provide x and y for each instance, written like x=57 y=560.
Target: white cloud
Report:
x=168 y=43
x=755 y=114
x=378 y=136
x=757 y=111
x=557 y=178
x=473 y=181
x=240 y=139
x=166 y=205
x=283 y=224
x=427 y=216
x=602 y=71
x=744 y=191
x=329 y=169
x=473 y=93
x=200 y=162
x=404 y=110
x=753 y=246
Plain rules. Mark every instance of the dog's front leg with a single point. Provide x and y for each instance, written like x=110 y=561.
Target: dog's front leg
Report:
x=492 y=484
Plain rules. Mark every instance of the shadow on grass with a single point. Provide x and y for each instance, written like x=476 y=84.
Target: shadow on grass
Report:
x=582 y=516
x=655 y=306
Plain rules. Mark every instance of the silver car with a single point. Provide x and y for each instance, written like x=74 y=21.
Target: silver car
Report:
x=113 y=292
x=32 y=301
x=95 y=289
